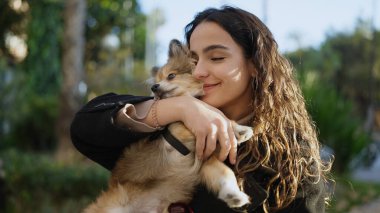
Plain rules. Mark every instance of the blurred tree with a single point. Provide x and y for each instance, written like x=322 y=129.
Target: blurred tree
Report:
x=73 y=73
x=115 y=53
x=352 y=75
x=33 y=75
x=338 y=96
x=344 y=61
x=338 y=127
x=30 y=82
x=12 y=23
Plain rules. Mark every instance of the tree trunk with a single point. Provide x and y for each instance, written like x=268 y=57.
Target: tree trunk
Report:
x=73 y=74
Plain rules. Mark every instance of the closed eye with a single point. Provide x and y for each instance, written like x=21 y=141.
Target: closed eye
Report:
x=217 y=58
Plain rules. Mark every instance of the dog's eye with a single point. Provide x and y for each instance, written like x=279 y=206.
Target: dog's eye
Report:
x=171 y=76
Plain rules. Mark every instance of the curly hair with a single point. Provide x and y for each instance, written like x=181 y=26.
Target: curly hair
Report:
x=285 y=138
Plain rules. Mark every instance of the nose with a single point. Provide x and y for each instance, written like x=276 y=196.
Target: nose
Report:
x=155 y=87
x=200 y=71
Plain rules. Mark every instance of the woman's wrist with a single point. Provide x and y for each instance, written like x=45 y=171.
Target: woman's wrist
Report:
x=155 y=121
x=169 y=110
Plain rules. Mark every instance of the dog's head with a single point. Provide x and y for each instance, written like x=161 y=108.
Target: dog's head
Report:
x=175 y=78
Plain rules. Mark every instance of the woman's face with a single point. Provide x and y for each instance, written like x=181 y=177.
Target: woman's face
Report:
x=225 y=72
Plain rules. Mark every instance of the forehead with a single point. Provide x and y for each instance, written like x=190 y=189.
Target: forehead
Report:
x=210 y=34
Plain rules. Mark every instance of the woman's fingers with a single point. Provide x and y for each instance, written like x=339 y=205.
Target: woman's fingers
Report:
x=210 y=141
x=210 y=127
x=233 y=141
x=200 y=145
x=224 y=143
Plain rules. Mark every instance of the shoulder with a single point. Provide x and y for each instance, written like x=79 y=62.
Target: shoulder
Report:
x=112 y=100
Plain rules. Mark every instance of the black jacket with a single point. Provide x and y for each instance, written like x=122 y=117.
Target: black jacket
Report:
x=94 y=134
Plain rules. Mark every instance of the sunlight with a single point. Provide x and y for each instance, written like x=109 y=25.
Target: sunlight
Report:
x=17 y=46
x=235 y=74
x=19 y=5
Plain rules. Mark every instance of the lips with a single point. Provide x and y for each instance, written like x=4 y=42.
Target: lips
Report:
x=208 y=87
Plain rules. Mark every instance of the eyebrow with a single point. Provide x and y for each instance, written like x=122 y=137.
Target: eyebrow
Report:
x=215 y=46
x=211 y=47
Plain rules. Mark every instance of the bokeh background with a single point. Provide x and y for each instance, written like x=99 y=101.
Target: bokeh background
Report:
x=55 y=55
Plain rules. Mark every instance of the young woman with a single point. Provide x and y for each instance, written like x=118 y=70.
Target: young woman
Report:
x=245 y=79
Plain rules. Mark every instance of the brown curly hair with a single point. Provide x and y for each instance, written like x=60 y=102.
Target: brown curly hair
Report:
x=285 y=138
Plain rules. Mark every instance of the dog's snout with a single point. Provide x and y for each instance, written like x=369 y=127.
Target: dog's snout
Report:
x=155 y=87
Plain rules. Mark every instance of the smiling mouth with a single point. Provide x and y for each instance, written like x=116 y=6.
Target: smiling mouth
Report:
x=209 y=86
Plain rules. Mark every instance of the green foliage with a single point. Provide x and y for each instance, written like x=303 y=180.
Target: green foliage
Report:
x=115 y=69
x=355 y=52
x=336 y=80
x=33 y=124
x=336 y=122
x=42 y=66
x=29 y=89
x=345 y=61
x=31 y=177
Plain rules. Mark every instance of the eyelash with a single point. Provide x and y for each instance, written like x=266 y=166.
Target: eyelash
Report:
x=217 y=58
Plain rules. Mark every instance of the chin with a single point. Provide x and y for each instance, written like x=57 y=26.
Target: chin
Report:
x=211 y=100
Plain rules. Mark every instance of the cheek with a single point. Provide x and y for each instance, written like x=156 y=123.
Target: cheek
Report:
x=237 y=77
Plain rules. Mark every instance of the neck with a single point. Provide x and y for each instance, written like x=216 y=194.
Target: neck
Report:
x=237 y=114
x=238 y=108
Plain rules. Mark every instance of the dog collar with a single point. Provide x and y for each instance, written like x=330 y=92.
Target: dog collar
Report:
x=175 y=143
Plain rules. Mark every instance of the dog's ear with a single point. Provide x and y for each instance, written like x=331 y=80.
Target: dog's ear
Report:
x=154 y=71
x=176 y=48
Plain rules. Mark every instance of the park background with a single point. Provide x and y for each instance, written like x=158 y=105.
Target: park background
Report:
x=55 y=55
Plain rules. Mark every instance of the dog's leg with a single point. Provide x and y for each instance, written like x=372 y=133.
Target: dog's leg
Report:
x=242 y=133
x=221 y=180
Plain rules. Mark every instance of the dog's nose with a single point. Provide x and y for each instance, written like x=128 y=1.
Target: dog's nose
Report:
x=155 y=87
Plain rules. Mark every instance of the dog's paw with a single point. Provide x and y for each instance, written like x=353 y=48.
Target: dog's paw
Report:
x=234 y=198
x=242 y=133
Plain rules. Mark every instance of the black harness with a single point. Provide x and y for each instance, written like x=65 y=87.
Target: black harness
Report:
x=175 y=143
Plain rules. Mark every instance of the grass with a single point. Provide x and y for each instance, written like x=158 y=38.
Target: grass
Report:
x=350 y=193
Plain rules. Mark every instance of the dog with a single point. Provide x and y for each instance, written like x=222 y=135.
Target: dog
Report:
x=151 y=174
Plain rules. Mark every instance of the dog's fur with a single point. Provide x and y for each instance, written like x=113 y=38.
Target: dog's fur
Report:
x=151 y=174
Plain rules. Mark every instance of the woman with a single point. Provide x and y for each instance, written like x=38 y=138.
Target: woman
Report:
x=246 y=80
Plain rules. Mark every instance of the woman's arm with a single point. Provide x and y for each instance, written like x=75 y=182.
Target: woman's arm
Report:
x=95 y=134
x=209 y=125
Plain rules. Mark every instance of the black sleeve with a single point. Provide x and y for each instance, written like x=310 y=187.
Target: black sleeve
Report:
x=93 y=131
x=310 y=197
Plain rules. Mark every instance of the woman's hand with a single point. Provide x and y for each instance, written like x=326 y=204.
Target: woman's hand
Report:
x=210 y=126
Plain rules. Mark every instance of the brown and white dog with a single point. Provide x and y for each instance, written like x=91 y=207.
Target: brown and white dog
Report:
x=151 y=174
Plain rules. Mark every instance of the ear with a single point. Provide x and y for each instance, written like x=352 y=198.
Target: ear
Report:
x=176 y=48
x=154 y=71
